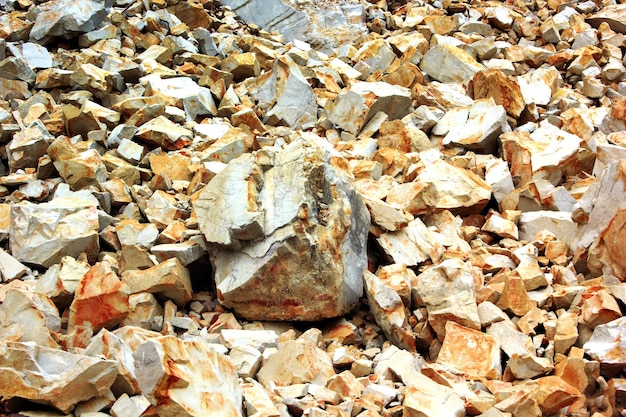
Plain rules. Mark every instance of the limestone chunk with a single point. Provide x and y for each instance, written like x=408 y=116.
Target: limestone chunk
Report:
x=51 y=376
x=449 y=64
x=10 y=268
x=351 y=110
x=475 y=354
x=447 y=290
x=109 y=346
x=411 y=245
x=169 y=279
x=101 y=299
x=296 y=362
x=503 y=90
x=160 y=131
x=26 y=317
x=603 y=214
x=294 y=209
x=425 y=397
x=62 y=18
x=607 y=343
x=389 y=311
x=42 y=234
x=187 y=378
x=558 y=223
x=479 y=132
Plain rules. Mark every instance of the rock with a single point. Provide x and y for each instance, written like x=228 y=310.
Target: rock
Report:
x=449 y=64
x=389 y=311
x=602 y=213
x=295 y=102
x=607 y=343
x=447 y=291
x=503 y=90
x=29 y=317
x=63 y=18
x=613 y=15
x=187 y=378
x=246 y=360
x=411 y=245
x=109 y=346
x=296 y=362
x=558 y=223
x=10 y=268
x=51 y=376
x=126 y=406
x=351 y=110
x=425 y=397
x=28 y=146
x=160 y=131
x=41 y=234
x=322 y=208
x=476 y=128
x=101 y=299
x=169 y=280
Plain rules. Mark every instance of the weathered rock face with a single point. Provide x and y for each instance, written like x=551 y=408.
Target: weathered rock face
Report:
x=296 y=251
x=53 y=377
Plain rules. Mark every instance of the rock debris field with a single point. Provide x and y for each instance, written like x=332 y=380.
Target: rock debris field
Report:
x=312 y=208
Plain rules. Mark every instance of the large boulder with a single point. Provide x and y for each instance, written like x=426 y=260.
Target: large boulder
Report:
x=297 y=249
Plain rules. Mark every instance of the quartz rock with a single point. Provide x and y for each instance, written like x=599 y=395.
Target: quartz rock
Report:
x=447 y=290
x=42 y=234
x=51 y=376
x=294 y=208
x=187 y=378
x=10 y=268
x=169 y=279
x=475 y=354
x=126 y=406
x=389 y=311
x=296 y=362
x=449 y=64
x=246 y=360
x=607 y=343
x=82 y=170
x=61 y=280
x=353 y=109
x=63 y=18
x=101 y=299
x=160 y=131
x=258 y=400
x=27 y=146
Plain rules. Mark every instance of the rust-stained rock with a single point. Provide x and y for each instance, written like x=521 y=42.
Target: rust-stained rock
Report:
x=475 y=354
x=449 y=64
x=100 y=300
x=51 y=376
x=187 y=378
x=607 y=342
x=29 y=317
x=295 y=208
x=503 y=90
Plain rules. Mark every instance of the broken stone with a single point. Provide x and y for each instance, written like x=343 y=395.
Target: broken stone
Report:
x=296 y=362
x=449 y=64
x=322 y=206
x=101 y=299
x=187 y=378
x=453 y=278
x=607 y=343
x=169 y=279
x=51 y=376
x=41 y=234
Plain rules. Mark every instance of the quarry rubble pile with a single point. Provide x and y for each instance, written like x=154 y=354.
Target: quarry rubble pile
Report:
x=274 y=208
